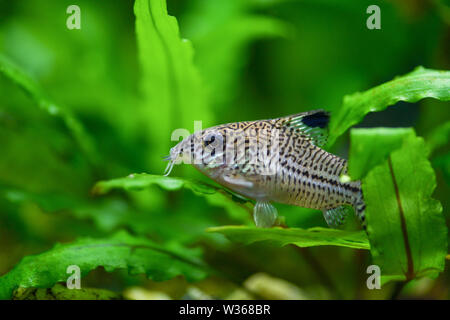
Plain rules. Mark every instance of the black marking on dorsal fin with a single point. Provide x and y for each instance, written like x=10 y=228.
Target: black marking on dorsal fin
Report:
x=317 y=118
x=313 y=124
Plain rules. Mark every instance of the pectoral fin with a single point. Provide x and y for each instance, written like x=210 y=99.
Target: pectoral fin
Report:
x=335 y=216
x=238 y=181
x=264 y=214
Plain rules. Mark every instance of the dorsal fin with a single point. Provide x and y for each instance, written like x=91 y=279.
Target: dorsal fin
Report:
x=313 y=124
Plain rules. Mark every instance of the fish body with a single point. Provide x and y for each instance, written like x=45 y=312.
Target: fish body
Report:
x=275 y=160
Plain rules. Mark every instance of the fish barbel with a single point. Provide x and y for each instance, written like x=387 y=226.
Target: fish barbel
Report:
x=275 y=160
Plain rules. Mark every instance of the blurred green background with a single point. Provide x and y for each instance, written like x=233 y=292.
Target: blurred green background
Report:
x=255 y=59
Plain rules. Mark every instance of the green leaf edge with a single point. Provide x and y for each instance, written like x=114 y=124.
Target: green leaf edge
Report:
x=231 y=231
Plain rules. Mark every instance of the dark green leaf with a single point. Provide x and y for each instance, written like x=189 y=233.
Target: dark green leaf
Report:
x=31 y=88
x=121 y=251
x=172 y=91
x=443 y=162
x=439 y=137
x=60 y=292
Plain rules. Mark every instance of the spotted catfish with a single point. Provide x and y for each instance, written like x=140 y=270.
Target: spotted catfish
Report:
x=275 y=160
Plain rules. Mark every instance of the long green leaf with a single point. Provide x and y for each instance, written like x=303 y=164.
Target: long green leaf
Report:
x=121 y=251
x=173 y=96
x=32 y=89
x=419 y=84
x=238 y=208
x=140 y=181
x=406 y=228
x=300 y=237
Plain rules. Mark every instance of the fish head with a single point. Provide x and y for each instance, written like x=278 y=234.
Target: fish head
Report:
x=202 y=149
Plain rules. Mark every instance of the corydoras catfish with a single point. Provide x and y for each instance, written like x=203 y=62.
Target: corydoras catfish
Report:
x=275 y=160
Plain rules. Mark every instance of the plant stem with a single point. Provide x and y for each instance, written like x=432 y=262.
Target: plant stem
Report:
x=398 y=289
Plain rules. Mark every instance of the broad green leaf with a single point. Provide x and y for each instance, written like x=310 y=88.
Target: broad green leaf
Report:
x=419 y=84
x=120 y=251
x=300 y=237
x=237 y=206
x=173 y=96
x=406 y=228
x=370 y=147
x=32 y=89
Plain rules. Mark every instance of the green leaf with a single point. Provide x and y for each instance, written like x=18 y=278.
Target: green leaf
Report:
x=438 y=137
x=173 y=96
x=60 y=292
x=237 y=206
x=419 y=84
x=300 y=237
x=140 y=181
x=120 y=251
x=370 y=147
x=406 y=228
x=32 y=89
x=443 y=162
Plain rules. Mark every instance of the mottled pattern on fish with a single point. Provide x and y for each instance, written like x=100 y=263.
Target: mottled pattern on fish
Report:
x=276 y=160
